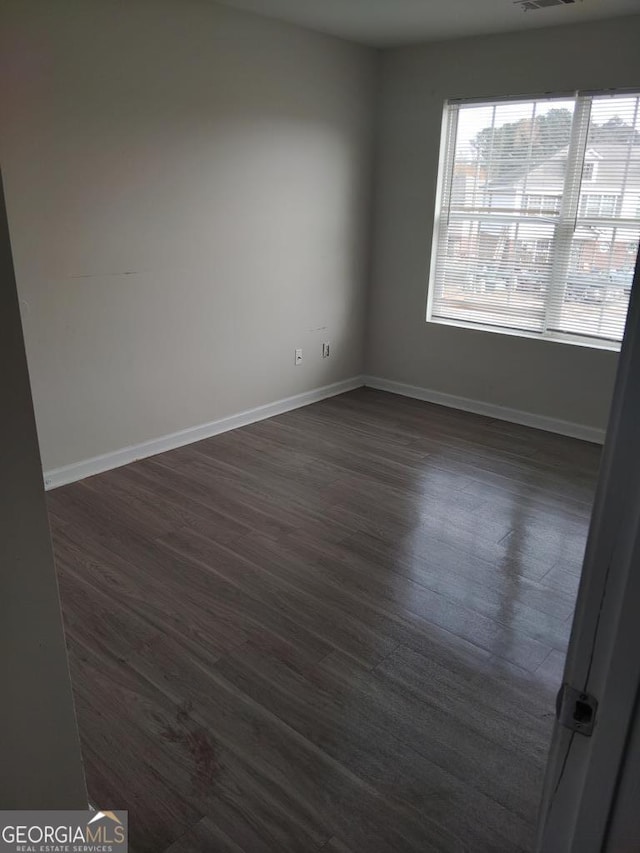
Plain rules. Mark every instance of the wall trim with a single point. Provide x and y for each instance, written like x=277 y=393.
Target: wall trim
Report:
x=492 y=410
x=88 y=467
x=105 y=462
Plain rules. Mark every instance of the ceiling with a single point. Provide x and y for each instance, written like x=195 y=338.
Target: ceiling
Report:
x=391 y=22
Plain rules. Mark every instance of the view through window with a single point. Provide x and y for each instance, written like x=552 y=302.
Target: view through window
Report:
x=538 y=216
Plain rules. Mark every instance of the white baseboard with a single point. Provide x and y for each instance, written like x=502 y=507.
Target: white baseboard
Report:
x=491 y=410
x=87 y=467
x=96 y=465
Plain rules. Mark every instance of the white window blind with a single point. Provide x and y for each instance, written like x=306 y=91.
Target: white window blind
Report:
x=538 y=216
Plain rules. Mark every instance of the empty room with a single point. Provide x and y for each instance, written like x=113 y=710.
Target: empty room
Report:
x=320 y=483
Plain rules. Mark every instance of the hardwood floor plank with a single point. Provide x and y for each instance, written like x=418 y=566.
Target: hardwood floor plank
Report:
x=175 y=596
x=345 y=716
x=334 y=845
x=126 y=763
x=563 y=577
x=252 y=503
x=356 y=634
x=551 y=669
x=493 y=701
x=203 y=838
x=401 y=608
x=339 y=629
x=340 y=799
x=181 y=759
x=439 y=561
x=402 y=589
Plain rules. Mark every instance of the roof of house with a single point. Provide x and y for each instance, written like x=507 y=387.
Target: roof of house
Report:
x=612 y=163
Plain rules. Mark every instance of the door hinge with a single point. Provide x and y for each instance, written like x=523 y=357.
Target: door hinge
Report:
x=576 y=710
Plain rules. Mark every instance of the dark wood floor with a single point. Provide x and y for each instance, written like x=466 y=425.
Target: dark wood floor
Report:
x=340 y=629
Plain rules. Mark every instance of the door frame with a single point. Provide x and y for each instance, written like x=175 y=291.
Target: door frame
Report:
x=603 y=658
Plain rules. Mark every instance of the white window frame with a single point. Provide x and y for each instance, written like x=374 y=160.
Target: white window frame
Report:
x=540 y=208
x=565 y=223
x=588 y=199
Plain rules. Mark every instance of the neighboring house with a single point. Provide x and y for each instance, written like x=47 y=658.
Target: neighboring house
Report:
x=610 y=192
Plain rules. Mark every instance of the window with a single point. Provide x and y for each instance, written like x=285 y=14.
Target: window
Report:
x=597 y=205
x=538 y=220
x=542 y=203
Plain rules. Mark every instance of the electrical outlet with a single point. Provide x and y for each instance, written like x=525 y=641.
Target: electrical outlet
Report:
x=326 y=349
x=298 y=356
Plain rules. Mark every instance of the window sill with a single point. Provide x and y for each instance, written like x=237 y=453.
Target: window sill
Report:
x=554 y=338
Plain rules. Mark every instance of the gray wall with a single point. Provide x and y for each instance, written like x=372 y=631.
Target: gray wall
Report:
x=187 y=189
x=189 y=200
x=562 y=381
x=40 y=763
